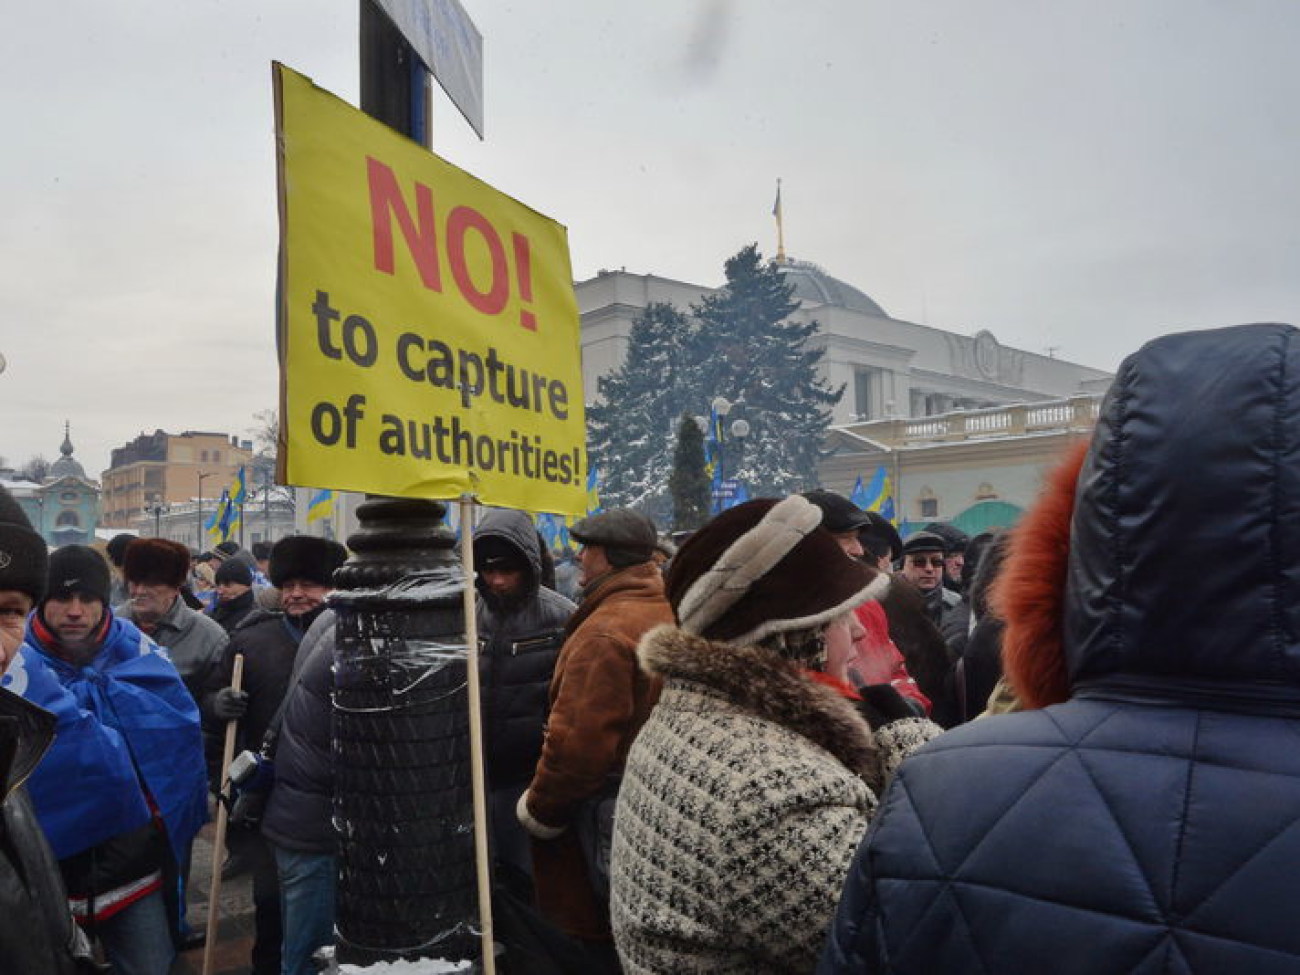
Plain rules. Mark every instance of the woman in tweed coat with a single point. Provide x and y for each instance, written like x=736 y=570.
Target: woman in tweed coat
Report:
x=744 y=795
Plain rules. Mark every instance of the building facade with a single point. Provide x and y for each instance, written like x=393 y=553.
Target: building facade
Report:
x=978 y=469
x=63 y=506
x=888 y=367
x=165 y=469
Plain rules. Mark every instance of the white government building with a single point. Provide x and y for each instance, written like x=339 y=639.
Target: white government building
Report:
x=963 y=424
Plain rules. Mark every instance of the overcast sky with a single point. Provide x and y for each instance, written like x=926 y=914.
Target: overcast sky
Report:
x=1079 y=175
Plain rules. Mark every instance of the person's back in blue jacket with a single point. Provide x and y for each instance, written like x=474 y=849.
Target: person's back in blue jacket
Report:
x=1143 y=813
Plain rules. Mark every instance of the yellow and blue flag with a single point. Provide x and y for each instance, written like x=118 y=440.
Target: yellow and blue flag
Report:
x=877 y=496
x=593 y=489
x=320 y=505
x=219 y=521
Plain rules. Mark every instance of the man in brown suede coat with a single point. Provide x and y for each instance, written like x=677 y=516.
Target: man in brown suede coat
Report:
x=599 y=699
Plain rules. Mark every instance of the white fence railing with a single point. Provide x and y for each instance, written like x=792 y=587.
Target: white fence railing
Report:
x=1076 y=413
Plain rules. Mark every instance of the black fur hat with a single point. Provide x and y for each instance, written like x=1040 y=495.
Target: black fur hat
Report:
x=306 y=557
x=23 y=553
x=156 y=562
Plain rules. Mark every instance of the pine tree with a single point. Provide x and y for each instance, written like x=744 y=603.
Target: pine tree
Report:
x=630 y=431
x=689 y=484
x=745 y=349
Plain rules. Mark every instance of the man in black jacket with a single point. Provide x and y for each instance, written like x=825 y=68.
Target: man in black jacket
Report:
x=37 y=933
x=235 y=597
x=302 y=569
x=297 y=823
x=521 y=628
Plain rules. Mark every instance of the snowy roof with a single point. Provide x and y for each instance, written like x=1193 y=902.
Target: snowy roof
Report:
x=813 y=284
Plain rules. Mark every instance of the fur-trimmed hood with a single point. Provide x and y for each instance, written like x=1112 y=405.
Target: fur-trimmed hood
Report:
x=770 y=687
x=1171 y=548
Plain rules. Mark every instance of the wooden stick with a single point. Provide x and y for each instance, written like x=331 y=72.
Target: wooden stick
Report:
x=476 y=737
x=219 y=840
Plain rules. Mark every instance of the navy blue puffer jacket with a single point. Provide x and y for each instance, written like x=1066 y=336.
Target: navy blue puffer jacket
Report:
x=1151 y=823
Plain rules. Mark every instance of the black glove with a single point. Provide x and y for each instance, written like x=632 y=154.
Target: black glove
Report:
x=881 y=704
x=230 y=704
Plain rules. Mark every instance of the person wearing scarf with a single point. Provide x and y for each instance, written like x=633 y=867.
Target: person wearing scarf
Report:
x=121 y=792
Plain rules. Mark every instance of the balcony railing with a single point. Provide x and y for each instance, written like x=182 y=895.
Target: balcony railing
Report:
x=1076 y=414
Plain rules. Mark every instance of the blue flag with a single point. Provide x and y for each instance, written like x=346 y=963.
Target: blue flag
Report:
x=123 y=719
x=859 y=495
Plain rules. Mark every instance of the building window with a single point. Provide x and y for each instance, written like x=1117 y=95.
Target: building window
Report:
x=67 y=519
x=72 y=497
x=985 y=492
x=866 y=391
x=928 y=504
x=216 y=457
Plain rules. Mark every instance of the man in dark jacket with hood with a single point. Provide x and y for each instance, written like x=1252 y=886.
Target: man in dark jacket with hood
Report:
x=1142 y=814
x=521 y=627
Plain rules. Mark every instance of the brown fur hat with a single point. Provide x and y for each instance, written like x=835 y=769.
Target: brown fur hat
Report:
x=765 y=567
x=156 y=562
x=1029 y=593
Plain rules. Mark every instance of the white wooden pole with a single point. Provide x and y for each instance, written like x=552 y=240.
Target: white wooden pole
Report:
x=476 y=738
x=219 y=840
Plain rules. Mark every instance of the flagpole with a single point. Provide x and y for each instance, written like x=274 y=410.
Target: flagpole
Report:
x=780 y=224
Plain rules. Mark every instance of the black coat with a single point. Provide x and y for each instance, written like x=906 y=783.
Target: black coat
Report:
x=298 y=810
x=231 y=614
x=37 y=933
x=519 y=644
x=269 y=642
x=1151 y=823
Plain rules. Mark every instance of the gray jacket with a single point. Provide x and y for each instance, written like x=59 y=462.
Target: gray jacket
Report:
x=195 y=642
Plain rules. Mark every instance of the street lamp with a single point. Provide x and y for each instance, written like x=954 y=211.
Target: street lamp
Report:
x=201 y=476
x=739 y=430
x=156 y=508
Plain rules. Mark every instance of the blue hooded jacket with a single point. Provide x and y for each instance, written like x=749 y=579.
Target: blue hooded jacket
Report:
x=127 y=710
x=1151 y=823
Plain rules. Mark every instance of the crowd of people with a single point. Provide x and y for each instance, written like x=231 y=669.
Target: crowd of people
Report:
x=792 y=741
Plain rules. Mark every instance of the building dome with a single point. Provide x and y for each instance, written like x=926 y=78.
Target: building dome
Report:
x=812 y=284
x=66 y=466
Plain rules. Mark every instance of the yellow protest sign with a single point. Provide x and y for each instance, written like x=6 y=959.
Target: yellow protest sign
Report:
x=428 y=331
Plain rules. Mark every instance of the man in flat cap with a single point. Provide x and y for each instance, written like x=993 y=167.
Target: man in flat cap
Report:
x=599 y=699
x=924 y=556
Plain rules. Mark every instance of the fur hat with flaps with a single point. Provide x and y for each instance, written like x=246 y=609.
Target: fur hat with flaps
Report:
x=156 y=562
x=765 y=567
x=23 y=553
x=306 y=557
